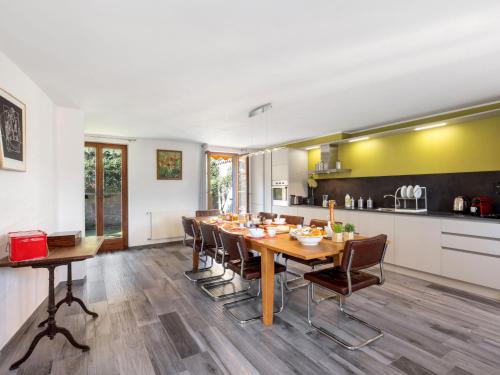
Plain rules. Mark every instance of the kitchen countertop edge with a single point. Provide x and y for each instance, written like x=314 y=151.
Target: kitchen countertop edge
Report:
x=446 y=215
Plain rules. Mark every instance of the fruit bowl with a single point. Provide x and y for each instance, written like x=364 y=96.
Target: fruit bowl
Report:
x=309 y=240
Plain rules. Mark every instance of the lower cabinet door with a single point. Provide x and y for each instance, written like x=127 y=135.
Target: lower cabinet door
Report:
x=473 y=268
x=418 y=243
x=373 y=224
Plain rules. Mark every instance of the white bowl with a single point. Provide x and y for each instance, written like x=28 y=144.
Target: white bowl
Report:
x=309 y=240
x=279 y=221
x=268 y=222
x=256 y=232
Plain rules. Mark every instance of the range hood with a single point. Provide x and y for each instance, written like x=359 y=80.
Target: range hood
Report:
x=329 y=158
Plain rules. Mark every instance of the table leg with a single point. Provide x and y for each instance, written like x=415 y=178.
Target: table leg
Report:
x=196 y=259
x=267 y=265
x=69 y=299
x=52 y=329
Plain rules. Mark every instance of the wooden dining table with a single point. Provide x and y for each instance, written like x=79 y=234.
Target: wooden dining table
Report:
x=283 y=243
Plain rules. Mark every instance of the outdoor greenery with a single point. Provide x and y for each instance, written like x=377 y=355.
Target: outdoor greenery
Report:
x=112 y=170
x=220 y=184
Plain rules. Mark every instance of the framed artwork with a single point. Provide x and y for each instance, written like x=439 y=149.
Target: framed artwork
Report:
x=12 y=132
x=168 y=165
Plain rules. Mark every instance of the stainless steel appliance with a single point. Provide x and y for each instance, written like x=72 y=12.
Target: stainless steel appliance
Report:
x=461 y=204
x=296 y=199
x=280 y=192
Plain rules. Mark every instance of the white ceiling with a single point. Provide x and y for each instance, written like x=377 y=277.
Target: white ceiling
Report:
x=192 y=69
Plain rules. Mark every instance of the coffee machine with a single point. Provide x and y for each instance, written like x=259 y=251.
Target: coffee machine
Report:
x=481 y=206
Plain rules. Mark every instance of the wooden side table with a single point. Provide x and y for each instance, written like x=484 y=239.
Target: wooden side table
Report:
x=62 y=256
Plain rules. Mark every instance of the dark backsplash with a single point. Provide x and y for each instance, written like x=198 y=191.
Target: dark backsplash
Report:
x=441 y=188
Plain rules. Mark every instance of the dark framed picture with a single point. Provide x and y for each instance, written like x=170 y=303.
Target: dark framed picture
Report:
x=12 y=132
x=168 y=165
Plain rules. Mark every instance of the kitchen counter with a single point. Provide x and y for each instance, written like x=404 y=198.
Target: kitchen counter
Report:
x=442 y=214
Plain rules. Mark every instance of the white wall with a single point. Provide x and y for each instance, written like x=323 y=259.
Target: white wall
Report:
x=69 y=124
x=28 y=200
x=146 y=193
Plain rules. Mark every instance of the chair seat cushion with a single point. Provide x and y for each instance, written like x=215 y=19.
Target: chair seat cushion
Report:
x=310 y=262
x=335 y=279
x=251 y=270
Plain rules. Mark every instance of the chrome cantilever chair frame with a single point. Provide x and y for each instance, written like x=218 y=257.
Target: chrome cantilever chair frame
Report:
x=217 y=248
x=208 y=286
x=332 y=336
x=190 y=273
x=228 y=306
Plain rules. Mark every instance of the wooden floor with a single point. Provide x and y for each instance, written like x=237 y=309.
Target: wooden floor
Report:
x=154 y=321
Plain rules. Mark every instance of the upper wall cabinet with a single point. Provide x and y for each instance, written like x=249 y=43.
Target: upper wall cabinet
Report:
x=291 y=165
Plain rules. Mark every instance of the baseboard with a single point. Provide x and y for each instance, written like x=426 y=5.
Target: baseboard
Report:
x=154 y=245
x=452 y=283
x=42 y=307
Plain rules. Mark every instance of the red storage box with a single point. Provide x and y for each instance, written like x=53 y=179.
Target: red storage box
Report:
x=27 y=245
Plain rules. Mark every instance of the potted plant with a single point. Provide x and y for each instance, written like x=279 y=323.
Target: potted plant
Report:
x=338 y=230
x=349 y=231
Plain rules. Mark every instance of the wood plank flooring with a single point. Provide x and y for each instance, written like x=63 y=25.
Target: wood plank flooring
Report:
x=154 y=321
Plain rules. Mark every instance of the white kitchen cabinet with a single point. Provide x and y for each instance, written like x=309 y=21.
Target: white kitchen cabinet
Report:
x=268 y=197
x=348 y=217
x=256 y=183
x=280 y=157
x=470 y=267
x=372 y=224
x=417 y=242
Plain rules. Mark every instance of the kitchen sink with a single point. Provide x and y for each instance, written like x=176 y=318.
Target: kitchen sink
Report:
x=386 y=209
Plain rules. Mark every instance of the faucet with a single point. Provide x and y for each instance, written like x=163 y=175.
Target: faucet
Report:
x=396 y=200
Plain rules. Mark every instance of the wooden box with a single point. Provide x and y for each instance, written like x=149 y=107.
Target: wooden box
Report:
x=64 y=239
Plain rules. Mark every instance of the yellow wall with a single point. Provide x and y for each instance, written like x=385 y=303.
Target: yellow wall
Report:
x=467 y=147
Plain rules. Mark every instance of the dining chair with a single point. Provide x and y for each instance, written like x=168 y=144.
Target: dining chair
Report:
x=249 y=270
x=192 y=237
x=267 y=215
x=293 y=220
x=216 y=249
x=307 y=262
x=206 y=213
x=347 y=278
x=211 y=247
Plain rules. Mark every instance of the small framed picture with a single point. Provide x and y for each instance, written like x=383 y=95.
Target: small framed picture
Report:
x=12 y=132
x=168 y=165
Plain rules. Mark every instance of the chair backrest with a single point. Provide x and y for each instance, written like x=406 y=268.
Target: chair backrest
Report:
x=267 y=215
x=321 y=223
x=231 y=242
x=206 y=213
x=365 y=253
x=190 y=226
x=294 y=220
x=318 y=223
x=210 y=235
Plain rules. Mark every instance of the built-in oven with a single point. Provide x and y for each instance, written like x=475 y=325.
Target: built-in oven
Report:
x=280 y=193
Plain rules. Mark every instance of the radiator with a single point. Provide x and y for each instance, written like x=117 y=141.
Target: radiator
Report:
x=164 y=225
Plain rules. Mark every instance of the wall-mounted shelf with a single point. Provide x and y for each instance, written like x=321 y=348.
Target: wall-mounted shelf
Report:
x=329 y=171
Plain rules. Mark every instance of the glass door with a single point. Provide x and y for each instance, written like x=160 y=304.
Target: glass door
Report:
x=106 y=194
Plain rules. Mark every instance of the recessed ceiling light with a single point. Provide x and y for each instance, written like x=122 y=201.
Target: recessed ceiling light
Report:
x=438 y=125
x=359 y=139
x=311 y=148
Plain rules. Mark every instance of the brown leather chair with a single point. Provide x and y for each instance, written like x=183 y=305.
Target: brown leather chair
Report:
x=293 y=220
x=192 y=238
x=349 y=277
x=248 y=267
x=267 y=215
x=307 y=262
x=318 y=223
x=211 y=247
x=206 y=213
